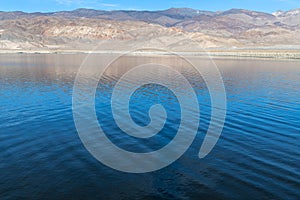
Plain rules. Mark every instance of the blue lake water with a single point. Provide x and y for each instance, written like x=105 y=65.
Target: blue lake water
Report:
x=42 y=156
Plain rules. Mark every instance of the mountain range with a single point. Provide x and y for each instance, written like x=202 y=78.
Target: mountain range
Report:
x=175 y=28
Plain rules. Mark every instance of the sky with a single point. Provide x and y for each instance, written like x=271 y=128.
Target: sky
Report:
x=212 y=5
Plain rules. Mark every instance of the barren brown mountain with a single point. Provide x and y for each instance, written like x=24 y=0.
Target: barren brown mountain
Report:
x=83 y=29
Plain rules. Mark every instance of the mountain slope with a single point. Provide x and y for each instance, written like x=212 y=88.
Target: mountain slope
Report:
x=83 y=28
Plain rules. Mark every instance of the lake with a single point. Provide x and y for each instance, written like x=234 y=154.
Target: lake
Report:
x=42 y=156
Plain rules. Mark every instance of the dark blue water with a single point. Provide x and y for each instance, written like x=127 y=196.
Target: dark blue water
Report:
x=42 y=157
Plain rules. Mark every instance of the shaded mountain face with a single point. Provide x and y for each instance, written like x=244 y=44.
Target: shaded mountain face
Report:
x=83 y=27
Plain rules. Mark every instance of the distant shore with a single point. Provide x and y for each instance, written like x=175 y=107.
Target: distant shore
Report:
x=266 y=54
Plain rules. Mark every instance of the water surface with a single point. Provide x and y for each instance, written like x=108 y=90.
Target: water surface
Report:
x=41 y=155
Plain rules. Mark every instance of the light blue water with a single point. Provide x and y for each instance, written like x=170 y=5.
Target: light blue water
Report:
x=41 y=155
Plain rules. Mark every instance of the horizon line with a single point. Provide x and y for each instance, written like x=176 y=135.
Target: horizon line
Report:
x=141 y=10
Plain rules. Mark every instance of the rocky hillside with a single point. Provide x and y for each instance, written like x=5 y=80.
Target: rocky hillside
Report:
x=83 y=29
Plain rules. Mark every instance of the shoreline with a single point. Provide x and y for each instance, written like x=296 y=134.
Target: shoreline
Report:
x=240 y=53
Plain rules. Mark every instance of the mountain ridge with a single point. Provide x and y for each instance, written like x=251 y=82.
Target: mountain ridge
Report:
x=81 y=28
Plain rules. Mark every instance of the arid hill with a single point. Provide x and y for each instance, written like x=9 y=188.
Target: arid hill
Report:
x=175 y=28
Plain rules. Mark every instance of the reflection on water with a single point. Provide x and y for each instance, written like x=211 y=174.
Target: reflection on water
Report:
x=42 y=156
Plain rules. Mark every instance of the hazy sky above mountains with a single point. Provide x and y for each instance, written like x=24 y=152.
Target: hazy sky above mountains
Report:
x=213 y=5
